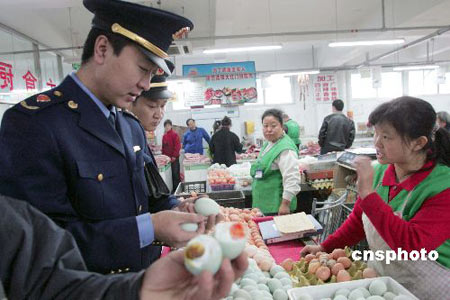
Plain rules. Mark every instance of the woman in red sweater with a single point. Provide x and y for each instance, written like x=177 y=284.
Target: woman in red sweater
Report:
x=404 y=202
x=171 y=147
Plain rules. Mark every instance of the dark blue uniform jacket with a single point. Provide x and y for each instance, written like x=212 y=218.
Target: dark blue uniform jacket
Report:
x=59 y=153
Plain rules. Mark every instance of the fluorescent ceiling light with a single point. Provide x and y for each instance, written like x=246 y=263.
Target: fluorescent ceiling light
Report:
x=417 y=67
x=242 y=49
x=367 y=43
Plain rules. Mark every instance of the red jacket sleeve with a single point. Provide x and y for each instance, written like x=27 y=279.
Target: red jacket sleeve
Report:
x=427 y=229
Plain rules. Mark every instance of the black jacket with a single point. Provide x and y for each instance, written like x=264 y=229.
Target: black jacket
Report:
x=223 y=146
x=337 y=133
x=39 y=260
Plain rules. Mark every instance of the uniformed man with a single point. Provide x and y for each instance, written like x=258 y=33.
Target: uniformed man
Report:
x=73 y=155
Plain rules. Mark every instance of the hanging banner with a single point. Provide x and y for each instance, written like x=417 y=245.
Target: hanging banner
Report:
x=224 y=83
x=325 y=87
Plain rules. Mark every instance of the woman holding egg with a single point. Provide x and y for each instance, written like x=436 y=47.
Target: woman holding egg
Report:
x=276 y=174
x=403 y=201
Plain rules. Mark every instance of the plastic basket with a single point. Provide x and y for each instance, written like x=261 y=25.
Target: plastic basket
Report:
x=186 y=188
x=222 y=187
x=225 y=198
x=229 y=198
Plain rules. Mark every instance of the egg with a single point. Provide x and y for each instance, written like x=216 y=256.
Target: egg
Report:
x=274 y=284
x=323 y=273
x=337 y=253
x=375 y=298
x=355 y=295
x=309 y=257
x=287 y=264
x=364 y=291
x=242 y=294
x=232 y=238
x=369 y=273
x=202 y=253
x=377 y=287
x=280 y=294
x=342 y=291
x=402 y=297
x=191 y=227
x=389 y=296
x=336 y=268
x=206 y=206
x=345 y=261
x=286 y=281
x=263 y=287
x=343 y=275
x=312 y=268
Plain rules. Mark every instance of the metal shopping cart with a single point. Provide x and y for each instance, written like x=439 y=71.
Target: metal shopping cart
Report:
x=332 y=213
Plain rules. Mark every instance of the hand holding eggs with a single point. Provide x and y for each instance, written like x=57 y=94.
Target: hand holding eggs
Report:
x=206 y=253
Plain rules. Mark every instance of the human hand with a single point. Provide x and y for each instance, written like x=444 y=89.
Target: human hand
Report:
x=167 y=227
x=172 y=159
x=168 y=278
x=364 y=169
x=187 y=205
x=311 y=249
x=284 y=208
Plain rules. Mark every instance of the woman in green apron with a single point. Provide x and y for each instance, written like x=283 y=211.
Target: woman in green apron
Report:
x=404 y=201
x=276 y=176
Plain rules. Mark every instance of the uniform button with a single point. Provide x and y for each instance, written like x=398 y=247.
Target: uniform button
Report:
x=140 y=208
x=127 y=269
x=57 y=93
x=100 y=177
x=112 y=272
x=119 y=271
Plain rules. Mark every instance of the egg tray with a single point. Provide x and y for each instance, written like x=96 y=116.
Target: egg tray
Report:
x=222 y=187
x=226 y=198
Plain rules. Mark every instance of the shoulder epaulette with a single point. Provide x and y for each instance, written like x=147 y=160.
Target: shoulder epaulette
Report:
x=40 y=101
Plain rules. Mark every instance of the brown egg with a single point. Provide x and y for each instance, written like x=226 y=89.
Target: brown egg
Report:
x=309 y=257
x=323 y=273
x=345 y=261
x=287 y=264
x=369 y=273
x=337 y=253
x=343 y=275
x=336 y=268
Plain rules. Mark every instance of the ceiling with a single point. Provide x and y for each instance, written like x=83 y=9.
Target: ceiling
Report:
x=303 y=27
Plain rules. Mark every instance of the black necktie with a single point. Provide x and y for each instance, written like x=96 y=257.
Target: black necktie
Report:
x=112 y=120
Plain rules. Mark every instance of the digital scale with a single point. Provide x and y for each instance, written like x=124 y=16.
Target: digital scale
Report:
x=347 y=158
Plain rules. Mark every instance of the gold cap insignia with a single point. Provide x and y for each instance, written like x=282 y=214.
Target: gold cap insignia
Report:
x=57 y=93
x=116 y=28
x=181 y=33
x=159 y=72
x=24 y=104
x=72 y=104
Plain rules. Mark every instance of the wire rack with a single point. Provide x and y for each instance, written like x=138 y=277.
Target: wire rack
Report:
x=332 y=213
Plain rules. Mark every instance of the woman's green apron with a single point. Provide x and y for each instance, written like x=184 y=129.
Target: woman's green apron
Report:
x=267 y=187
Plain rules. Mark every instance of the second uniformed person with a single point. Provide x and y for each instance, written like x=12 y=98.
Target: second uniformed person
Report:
x=71 y=154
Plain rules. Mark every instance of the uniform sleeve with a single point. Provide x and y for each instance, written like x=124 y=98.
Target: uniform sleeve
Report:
x=212 y=146
x=32 y=168
x=288 y=164
x=41 y=261
x=323 y=132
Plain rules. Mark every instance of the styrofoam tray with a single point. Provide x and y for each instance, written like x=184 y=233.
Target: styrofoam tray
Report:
x=328 y=290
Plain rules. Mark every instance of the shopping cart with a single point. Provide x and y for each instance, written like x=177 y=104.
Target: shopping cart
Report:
x=332 y=213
